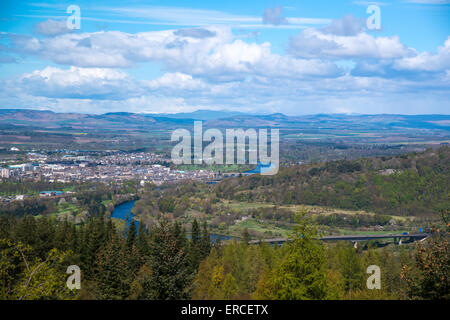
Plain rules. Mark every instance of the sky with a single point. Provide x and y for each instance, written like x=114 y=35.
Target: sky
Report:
x=263 y=56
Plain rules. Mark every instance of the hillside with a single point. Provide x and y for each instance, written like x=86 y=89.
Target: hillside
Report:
x=127 y=120
x=415 y=184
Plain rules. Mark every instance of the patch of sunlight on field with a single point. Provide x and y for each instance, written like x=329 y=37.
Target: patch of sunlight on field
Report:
x=244 y=206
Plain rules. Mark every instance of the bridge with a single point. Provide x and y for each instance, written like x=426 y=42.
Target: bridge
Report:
x=398 y=238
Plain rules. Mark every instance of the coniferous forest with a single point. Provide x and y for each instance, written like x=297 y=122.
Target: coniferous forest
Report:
x=163 y=263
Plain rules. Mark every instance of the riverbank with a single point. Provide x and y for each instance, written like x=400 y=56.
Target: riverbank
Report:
x=122 y=215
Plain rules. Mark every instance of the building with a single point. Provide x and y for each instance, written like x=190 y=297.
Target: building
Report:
x=5 y=173
x=50 y=193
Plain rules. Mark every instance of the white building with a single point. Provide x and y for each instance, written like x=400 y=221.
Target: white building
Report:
x=5 y=173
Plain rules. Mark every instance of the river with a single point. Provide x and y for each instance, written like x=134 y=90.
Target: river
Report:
x=123 y=211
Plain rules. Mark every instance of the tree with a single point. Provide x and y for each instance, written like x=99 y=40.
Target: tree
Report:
x=245 y=235
x=230 y=287
x=302 y=273
x=206 y=241
x=112 y=276
x=131 y=235
x=141 y=287
x=195 y=233
x=430 y=279
x=141 y=241
x=40 y=279
x=168 y=261
x=350 y=266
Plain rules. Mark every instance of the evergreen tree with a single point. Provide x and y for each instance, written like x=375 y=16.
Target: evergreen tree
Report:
x=112 y=275
x=206 y=241
x=302 y=273
x=195 y=233
x=169 y=265
x=131 y=235
x=350 y=265
x=142 y=241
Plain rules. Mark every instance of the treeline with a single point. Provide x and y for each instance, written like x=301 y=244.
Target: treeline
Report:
x=353 y=221
x=159 y=263
x=305 y=268
x=415 y=184
x=294 y=151
x=164 y=263
x=9 y=188
x=32 y=207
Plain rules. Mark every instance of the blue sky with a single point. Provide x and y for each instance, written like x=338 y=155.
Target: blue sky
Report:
x=294 y=57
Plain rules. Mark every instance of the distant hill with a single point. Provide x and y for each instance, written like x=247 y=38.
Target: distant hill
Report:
x=200 y=115
x=220 y=119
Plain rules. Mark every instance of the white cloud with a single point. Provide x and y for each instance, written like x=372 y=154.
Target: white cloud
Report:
x=218 y=55
x=52 y=27
x=91 y=83
x=178 y=81
x=211 y=68
x=313 y=43
x=105 y=90
x=426 y=61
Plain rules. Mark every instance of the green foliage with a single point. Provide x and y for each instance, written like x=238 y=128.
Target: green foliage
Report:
x=413 y=184
x=35 y=279
x=144 y=265
x=113 y=274
x=169 y=264
x=301 y=273
x=429 y=278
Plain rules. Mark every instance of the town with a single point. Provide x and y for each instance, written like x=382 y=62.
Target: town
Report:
x=67 y=166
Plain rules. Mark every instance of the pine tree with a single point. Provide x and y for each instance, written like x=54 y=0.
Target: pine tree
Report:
x=301 y=273
x=206 y=241
x=112 y=275
x=168 y=261
x=195 y=233
x=131 y=235
x=142 y=241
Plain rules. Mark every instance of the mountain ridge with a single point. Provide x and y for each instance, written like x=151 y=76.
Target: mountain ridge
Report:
x=211 y=118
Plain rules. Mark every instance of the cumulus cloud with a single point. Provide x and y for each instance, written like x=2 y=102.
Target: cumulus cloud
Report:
x=90 y=83
x=346 y=39
x=177 y=81
x=292 y=96
x=274 y=16
x=52 y=27
x=426 y=61
x=315 y=43
x=419 y=67
x=221 y=57
x=115 y=49
x=211 y=68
